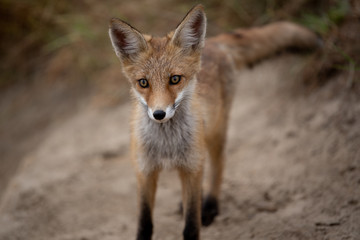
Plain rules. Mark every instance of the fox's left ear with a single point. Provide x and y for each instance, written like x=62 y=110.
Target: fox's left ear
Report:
x=190 y=33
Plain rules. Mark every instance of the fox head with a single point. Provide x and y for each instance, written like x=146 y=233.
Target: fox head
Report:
x=161 y=71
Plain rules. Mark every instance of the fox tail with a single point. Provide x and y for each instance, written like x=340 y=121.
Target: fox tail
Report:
x=251 y=45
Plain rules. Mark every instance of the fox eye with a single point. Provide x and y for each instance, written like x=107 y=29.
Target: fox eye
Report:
x=143 y=83
x=175 y=79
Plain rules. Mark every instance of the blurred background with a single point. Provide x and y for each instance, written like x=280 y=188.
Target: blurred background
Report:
x=56 y=56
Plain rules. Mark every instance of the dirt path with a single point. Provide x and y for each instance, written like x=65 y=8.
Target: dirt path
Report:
x=293 y=170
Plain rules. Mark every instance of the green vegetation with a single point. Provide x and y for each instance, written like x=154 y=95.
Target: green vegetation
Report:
x=324 y=22
x=39 y=35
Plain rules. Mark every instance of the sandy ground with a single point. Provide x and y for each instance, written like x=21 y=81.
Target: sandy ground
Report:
x=292 y=172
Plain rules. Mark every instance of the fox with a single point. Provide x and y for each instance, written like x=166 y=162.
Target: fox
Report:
x=182 y=86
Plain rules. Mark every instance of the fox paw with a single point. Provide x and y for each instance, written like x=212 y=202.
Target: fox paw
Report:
x=210 y=209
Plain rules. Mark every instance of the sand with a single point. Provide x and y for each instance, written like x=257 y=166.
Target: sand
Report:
x=292 y=169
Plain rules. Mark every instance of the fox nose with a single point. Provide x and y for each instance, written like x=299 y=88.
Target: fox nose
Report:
x=159 y=114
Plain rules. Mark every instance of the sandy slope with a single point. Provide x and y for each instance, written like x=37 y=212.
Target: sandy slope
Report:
x=293 y=170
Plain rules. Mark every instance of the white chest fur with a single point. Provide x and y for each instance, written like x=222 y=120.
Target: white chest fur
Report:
x=169 y=144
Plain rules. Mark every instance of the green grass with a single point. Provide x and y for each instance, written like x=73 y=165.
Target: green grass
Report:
x=42 y=28
x=329 y=19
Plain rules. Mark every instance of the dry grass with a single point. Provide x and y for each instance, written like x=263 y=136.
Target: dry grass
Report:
x=68 y=41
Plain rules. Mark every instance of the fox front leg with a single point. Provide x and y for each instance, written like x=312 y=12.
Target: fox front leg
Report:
x=146 y=193
x=191 y=191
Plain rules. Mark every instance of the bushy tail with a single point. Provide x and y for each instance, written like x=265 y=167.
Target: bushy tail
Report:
x=248 y=46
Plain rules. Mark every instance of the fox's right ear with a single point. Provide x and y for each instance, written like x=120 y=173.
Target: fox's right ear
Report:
x=126 y=40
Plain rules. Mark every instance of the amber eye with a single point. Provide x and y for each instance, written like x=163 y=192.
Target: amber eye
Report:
x=175 y=79
x=143 y=83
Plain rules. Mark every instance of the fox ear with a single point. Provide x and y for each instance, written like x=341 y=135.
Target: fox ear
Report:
x=190 y=33
x=126 y=40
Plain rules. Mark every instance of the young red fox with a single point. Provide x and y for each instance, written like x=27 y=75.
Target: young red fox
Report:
x=182 y=88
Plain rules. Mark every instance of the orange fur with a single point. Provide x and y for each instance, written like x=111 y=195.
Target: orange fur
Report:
x=196 y=109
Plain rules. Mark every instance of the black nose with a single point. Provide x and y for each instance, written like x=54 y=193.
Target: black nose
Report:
x=159 y=114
